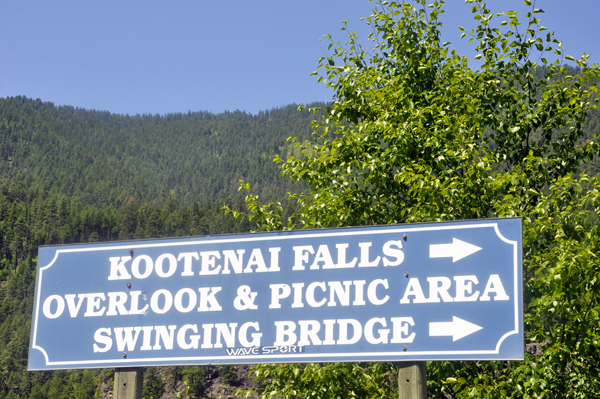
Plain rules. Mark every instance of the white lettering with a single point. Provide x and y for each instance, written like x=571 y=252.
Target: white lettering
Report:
x=301 y=256
x=228 y=334
x=439 y=286
x=342 y=257
x=193 y=344
x=285 y=333
x=298 y=295
x=256 y=259
x=309 y=329
x=324 y=256
x=383 y=334
x=400 y=328
x=343 y=294
x=359 y=288
x=279 y=291
x=135 y=298
x=413 y=288
x=207 y=335
x=243 y=335
x=329 y=325
x=74 y=308
x=236 y=261
x=207 y=299
x=388 y=250
x=464 y=285
x=494 y=285
x=168 y=302
x=274 y=259
x=47 y=308
x=343 y=332
x=208 y=263
x=93 y=305
x=191 y=300
x=125 y=337
x=102 y=336
x=372 y=292
x=165 y=336
x=146 y=337
x=172 y=265
x=187 y=262
x=364 y=256
x=117 y=268
x=310 y=294
x=135 y=266
x=116 y=301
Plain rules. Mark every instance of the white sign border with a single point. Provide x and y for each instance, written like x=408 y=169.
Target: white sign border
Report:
x=365 y=356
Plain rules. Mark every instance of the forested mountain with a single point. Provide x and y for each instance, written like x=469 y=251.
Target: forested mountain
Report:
x=24 y=226
x=70 y=175
x=104 y=159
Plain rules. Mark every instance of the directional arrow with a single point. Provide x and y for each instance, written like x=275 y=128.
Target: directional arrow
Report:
x=457 y=250
x=457 y=328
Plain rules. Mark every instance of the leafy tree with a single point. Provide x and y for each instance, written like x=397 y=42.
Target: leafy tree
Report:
x=415 y=134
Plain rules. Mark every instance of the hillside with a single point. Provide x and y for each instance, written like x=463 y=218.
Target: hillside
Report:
x=104 y=159
x=70 y=175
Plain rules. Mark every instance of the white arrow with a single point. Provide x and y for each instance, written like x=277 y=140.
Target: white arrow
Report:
x=457 y=250
x=457 y=328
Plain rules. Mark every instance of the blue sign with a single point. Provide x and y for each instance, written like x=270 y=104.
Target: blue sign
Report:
x=434 y=291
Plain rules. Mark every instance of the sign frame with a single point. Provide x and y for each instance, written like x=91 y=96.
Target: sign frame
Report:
x=49 y=256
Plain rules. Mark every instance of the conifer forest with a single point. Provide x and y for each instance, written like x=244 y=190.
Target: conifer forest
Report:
x=71 y=175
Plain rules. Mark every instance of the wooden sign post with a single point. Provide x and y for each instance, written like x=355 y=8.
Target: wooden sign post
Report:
x=128 y=383
x=412 y=380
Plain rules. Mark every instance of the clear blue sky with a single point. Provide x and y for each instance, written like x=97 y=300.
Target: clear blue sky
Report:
x=153 y=56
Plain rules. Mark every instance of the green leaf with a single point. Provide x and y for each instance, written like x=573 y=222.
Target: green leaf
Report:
x=418 y=135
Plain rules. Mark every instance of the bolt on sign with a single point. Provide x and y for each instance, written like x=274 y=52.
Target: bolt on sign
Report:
x=433 y=291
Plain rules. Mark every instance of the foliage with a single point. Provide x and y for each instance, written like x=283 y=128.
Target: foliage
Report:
x=337 y=380
x=24 y=226
x=194 y=377
x=104 y=159
x=228 y=374
x=416 y=134
x=153 y=384
x=70 y=176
